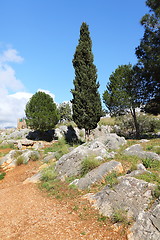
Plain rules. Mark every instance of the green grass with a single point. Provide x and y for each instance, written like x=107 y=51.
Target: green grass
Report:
x=120 y=216
x=88 y=164
x=107 y=121
x=2 y=175
x=111 y=179
x=20 y=160
x=150 y=177
x=11 y=145
x=60 y=147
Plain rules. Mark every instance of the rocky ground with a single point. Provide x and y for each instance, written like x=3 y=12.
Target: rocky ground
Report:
x=118 y=198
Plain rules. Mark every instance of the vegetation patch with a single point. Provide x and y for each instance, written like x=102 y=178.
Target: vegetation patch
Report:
x=60 y=147
x=149 y=177
x=120 y=216
x=88 y=164
x=20 y=160
x=111 y=179
x=2 y=175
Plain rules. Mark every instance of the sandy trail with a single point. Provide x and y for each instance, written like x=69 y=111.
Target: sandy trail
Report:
x=27 y=213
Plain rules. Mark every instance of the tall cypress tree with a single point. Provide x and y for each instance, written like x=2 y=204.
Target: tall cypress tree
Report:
x=86 y=101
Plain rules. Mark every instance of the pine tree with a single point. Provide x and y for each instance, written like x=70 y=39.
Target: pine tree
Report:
x=86 y=101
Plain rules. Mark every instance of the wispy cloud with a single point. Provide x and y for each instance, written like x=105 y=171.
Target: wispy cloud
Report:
x=8 y=80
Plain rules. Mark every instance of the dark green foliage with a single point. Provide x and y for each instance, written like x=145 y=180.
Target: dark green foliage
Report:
x=86 y=101
x=148 y=52
x=65 y=112
x=2 y=175
x=41 y=112
x=123 y=93
x=153 y=106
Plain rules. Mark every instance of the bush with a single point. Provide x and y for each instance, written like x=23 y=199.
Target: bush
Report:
x=147 y=124
x=120 y=216
x=88 y=164
x=111 y=179
x=2 y=175
x=20 y=160
x=41 y=112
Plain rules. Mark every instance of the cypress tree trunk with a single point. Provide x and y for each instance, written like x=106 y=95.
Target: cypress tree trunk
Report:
x=86 y=101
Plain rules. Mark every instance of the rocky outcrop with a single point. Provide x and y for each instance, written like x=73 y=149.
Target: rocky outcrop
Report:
x=112 y=141
x=70 y=164
x=11 y=159
x=14 y=134
x=130 y=194
x=137 y=150
x=98 y=174
x=147 y=225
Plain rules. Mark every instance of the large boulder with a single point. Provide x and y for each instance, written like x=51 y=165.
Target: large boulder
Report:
x=130 y=194
x=98 y=174
x=147 y=225
x=70 y=164
x=137 y=150
x=112 y=141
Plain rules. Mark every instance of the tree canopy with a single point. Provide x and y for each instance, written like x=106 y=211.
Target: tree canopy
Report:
x=65 y=111
x=148 y=52
x=86 y=101
x=41 y=112
x=123 y=93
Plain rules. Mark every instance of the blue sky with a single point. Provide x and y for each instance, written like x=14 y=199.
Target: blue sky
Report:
x=38 y=40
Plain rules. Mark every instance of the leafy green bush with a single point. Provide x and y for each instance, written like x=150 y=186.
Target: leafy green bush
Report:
x=2 y=175
x=49 y=174
x=88 y=164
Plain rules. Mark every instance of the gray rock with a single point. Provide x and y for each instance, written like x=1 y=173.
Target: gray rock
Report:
x=130 y=194
x=70 y=164
x=10 y=159
x=112 y=141
x=34 y=179
x=140 y=166
x=50 y=156
x=137 y=150
x=14 y=134
x=98 y=174
x=147 y=225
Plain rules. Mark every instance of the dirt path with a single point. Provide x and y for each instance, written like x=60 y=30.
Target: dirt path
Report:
x=27 y=213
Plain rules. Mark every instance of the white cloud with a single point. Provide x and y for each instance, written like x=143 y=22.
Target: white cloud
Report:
x=12 y=107
x=47 y=92
x=10 y=55
x=8 y=80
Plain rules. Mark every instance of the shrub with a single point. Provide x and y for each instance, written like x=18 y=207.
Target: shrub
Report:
x=20 y=160
x=111 y=179
x=2 y=175
x=88 y=164
x=120 y=216
x=156 y=192
x=147 y=124
x=49 y=174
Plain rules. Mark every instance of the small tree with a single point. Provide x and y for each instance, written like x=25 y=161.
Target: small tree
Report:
x=65 y=111
x=86 y=101
x=41 y=112
x=123 y=93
